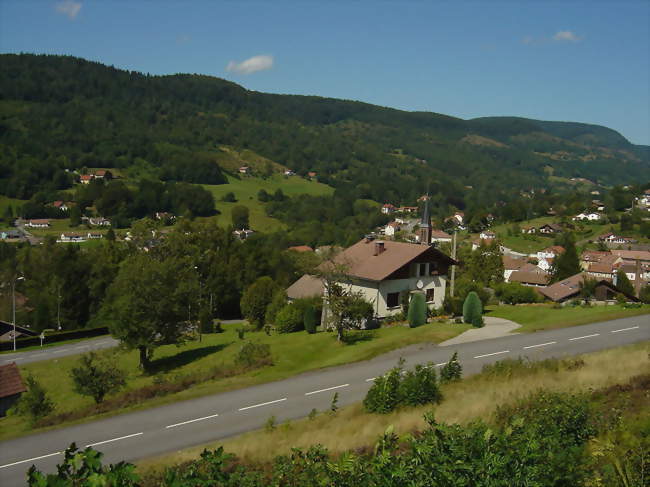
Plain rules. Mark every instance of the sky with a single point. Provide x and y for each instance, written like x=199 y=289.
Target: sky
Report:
x=580 y=61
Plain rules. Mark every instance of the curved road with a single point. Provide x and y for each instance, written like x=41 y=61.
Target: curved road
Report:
x=57 y=351
x=180 y=425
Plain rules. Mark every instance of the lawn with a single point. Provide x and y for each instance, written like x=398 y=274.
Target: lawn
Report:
x=475 y=397
x=535 y=317
x=62 y=225
x=292 y=354
x=246 y=189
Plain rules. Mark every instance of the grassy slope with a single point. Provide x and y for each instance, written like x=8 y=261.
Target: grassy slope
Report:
x=292 y=353
x=544 y=317
x=476 y=397
x=246 y=189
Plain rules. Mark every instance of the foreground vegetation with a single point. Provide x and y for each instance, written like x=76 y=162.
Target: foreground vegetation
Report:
x=584 y=428
x=209 y=366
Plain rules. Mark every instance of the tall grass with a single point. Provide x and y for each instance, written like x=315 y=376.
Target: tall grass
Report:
x=476 y=397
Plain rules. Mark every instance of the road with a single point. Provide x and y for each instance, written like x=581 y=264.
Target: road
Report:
x=57 y=351
x=180 y=425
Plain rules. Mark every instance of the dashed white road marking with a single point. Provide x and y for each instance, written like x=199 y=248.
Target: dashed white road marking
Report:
x=539 y=345
x=586 y=336
x=490 y=354
x=114 y=439
x=625 y=329
x=325 y=390
x=30 y=459
x=191 y=421
x=262 y=404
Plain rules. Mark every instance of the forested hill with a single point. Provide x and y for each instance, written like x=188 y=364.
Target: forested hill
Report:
x=60 y=113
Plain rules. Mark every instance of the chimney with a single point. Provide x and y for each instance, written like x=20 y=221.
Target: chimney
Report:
x=379 y=247
x=637 y=278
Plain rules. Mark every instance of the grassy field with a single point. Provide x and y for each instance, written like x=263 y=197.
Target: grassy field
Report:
x=476 y=397
x=246 y=189
x=535 y=317
x=525 y=243
x=292 y=354
x=4 y=203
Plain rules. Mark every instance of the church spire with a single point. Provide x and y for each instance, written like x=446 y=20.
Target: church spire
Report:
x=425 y=224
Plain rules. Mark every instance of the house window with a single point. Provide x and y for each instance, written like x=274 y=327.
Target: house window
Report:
x=430 y=295
x=392 y=300
x=422 y=270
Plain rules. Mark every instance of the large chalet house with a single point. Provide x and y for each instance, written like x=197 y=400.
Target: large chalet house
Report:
x=387 y=272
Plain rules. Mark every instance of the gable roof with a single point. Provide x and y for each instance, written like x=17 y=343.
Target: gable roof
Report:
x=439 y=234
x=510 y=263
x=530 y=277
x=10 y=380
x=362 y=263
x=643 y=255
x=305 y=287
x=301 y=248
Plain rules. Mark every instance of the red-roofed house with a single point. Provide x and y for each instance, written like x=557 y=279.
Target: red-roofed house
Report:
x=301 y=248
x=85 y=178
x=387 y=209
x=391 y=229
x=11 y=387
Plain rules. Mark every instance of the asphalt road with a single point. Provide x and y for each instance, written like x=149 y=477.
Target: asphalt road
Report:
x=58 y=351
x=180 y=425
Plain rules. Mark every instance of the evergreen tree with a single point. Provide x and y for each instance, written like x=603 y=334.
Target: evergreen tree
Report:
x=566 y=264
x=473 y=310
x=623 y=283
x=417 y=314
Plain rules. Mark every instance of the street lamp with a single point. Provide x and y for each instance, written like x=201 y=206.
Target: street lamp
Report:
x=13 y=292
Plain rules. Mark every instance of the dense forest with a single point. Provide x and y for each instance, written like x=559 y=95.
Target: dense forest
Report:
x=59 y=113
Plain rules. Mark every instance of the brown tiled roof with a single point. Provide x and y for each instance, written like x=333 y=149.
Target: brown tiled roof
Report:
x=594 y=255
x=537 y=278
x=305 y=287
x=302 y=248
x=361 y=261
x=555 y=249
x=10 y=380
x=512 y=263
x=632 y=254
x=439 y=234
x=564 y=289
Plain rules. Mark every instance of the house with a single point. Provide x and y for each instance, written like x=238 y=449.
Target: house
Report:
x=570 y=288
x=243 y=234
x=599 y=265
x=387 y=209
x=440 y=237
x=7 y=329
x=39 y=223
x=165 y=216
x=99 y=222
x=60 y=205
x=535 y=278
x=101 y=174
x=71 y=237
x=391 y=229
x=550 y=252
x=529 y=230
x=487 y=235
x=311 y=174
x=94 y=236
x=589 y=216
x=632 y=272
x=289 y=172
x=611 y=238
x=244 y=170
x=510 y=265
x=632 y=255
x=408 y=209
x=11 y=235
x=550 y=228
x=11 y=387
x=85 y=178
x=305 y=287
x=385 y=273
x=301 y=248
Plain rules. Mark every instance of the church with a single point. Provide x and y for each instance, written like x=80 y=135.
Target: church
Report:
x=387 y=272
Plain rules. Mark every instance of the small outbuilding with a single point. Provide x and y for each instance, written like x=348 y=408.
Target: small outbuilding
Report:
x=11 y=387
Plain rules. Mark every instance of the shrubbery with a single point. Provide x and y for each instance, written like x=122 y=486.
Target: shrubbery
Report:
x=403 y=388
x=473 y=310
x=96 y=377
x=35 y=403
x=515 y=293
x=452 y=370
x=289 y=319
x=254 y=355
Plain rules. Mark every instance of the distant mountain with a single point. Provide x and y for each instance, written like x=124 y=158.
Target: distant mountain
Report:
x=60 y=112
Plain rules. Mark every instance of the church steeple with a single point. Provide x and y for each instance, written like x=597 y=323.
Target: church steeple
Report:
x=425 y=224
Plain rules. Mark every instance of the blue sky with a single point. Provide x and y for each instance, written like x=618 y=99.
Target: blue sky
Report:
x=566 y=60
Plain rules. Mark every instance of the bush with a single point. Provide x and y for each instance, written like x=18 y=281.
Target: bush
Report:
x=309 y=320
x=417 y=313
x=644 y=295
x=253 y=355
x=96 y=378
x=278 y=302
x=399 y=388
x=514 y=293
x=289 y=319
x=34 y=403
x=452 y=371
x=473 y=309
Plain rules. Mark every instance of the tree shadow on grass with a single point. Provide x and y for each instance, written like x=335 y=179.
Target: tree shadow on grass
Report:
x=354 y=337
x=172 y=362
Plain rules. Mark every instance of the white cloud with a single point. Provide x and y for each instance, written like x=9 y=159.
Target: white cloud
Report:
x=69 y=8
x=251 y=65
x=566 y=36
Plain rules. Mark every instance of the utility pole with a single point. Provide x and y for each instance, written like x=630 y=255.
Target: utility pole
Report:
x=13 y=293
x=453 y=267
